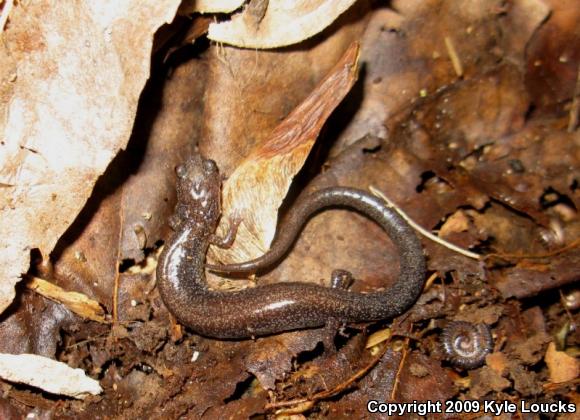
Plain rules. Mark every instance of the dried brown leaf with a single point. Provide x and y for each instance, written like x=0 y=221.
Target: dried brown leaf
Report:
x=209 y=6
x=527 y=16
x=458 y=222
x=485 y=380
x=553 y=54
x=561 y=366
x=256 y=189
x=67 y=113
x=76 y=302
x=498 y=362
x=130 y=205
x=283 y=23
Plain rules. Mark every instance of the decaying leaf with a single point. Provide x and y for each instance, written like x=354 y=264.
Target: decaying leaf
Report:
x=283 y=23
x=498 y=362
x=254 y=192
x=252 y=91
x=48 y=375
x=562 y=367
x=76 y=302
x=552 y=54
x=209 y=6
x=127 y=213
x=71 y=83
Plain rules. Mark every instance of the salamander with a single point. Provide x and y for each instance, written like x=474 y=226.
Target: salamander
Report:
x=273 y=308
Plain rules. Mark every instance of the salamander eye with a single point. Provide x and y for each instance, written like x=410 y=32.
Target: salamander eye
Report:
x=181 y=171
x=209 y=166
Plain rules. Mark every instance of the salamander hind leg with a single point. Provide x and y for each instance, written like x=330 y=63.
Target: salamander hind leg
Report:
x=341 y=279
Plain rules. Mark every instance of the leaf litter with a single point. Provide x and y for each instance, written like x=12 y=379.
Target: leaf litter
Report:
x=463 y=114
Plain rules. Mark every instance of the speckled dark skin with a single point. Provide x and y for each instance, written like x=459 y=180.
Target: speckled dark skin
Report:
x=466 y=344
x=273 y=308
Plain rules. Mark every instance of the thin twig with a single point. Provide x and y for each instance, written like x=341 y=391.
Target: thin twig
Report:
x=455 y=60
x=462 y=251
x=88 y=340
x=400 y=368
x=422 y=230
x=571 y=245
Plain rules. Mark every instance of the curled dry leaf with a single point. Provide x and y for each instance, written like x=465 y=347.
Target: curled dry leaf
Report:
x=260 y=183
x=78 y=303
x=130 y=204
x=70 y=86
x=48 y=375
x=249 y=92
x=37 y=328
x=498 y=362
x=552 y=55
x=282 y=23
x=562 y=367
x=527 y=16
x=485 y=380
x=209 y=6
x=529 y=277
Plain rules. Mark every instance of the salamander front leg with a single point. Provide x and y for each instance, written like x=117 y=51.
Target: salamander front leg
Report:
x=228 y=240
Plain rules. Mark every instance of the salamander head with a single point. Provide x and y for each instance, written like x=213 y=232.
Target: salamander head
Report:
x=198 y=192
